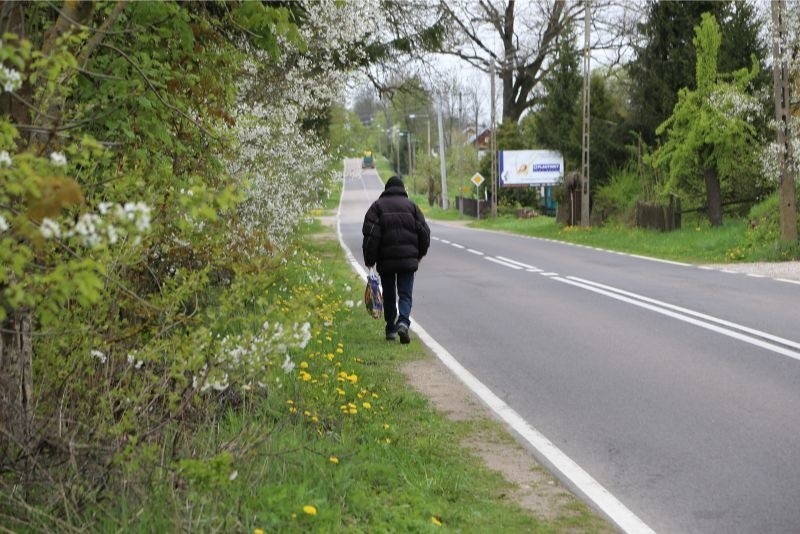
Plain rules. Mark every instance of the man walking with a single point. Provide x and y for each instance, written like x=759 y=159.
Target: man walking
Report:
x=396 y=238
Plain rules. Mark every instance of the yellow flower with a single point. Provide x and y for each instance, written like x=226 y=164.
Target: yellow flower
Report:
x=435 y=520
x=258 y=531
x=303 y=365
x=386 y=426
x=340 y=391
x=315 y=419
x=352 y=378
x=333 y=460
x=310 y=509
x=339 y=350
x=366 y=405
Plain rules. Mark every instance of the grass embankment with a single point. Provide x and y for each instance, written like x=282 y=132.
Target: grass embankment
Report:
x=696 y=244
x=338 y=444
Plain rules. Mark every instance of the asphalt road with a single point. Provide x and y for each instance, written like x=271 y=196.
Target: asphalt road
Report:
x=675 y=387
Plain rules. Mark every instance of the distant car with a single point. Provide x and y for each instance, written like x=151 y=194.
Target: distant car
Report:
x=368 y=162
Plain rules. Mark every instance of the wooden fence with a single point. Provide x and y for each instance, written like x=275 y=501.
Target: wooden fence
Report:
x=471 y=205
x=664 y=217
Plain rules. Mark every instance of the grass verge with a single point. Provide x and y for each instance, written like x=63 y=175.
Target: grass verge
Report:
x=339 y=443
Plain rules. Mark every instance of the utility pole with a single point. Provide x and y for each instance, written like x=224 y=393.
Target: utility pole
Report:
x=492 y=147
x=788 y=209
x=587 y=86
x=442 y=161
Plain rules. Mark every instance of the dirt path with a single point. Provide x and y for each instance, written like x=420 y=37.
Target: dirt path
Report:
x=535 y=489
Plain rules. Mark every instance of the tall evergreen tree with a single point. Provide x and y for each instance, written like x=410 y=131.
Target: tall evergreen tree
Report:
x=560 y=111
x=665 y=59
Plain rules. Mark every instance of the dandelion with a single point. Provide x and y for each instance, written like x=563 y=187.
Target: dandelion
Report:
x=303 y=365
x=259 y=531
x=436 y=521
x=58 y=159
x=366 y=405
x=333 y=460
x=310 y=509
x=5 y=159
x=386 y=426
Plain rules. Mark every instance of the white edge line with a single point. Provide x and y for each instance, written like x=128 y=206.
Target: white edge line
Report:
x=787 y=280
x=547 y=453
x=579 y=480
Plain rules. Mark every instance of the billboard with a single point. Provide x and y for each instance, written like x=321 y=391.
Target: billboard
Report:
x=530 y=167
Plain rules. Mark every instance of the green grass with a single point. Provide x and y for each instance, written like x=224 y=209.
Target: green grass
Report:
x=391 y=465
x=695 y=243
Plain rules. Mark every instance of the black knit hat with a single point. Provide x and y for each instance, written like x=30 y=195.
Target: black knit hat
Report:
x=394 y=181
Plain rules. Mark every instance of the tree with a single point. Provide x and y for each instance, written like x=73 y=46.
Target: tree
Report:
x=710 y=133
x=663 y=62
x=152 y=156
x=782 y=95
x=528 y=37
x=560 y=112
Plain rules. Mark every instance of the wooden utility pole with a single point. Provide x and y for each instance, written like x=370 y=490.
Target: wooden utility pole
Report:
x=586 y=119
x=780 y=78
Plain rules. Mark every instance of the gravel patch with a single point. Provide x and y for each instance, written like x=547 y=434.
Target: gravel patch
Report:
x=788 y=270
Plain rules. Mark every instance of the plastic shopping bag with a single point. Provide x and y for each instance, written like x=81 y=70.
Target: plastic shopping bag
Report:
x=373 y=298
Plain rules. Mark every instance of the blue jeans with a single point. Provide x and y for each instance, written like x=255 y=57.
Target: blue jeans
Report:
x=397 y=288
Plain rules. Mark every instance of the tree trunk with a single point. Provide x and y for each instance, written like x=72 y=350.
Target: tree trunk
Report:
x=782 y=91
x=16 y=387
x=713 y=196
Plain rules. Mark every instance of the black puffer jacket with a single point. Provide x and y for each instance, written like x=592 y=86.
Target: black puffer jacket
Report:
x=396 y=235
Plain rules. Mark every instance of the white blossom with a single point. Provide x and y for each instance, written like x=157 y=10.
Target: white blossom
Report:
x=58 y=159
x=10 y=78
x=287 y=365
x=50 y=229
x=5 y=159
x=99 y=355
x=3 y=224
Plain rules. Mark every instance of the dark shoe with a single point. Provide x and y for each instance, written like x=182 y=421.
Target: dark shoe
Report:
x=402 y=331
x=391 y=336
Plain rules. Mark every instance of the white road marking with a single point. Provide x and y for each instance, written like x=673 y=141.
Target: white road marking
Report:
x=476 y=252
x=457 y=245
x=549 y=274
x=550 y=455
x=445 y=241
x=726 y=328
x=524 y=265
x=504 y=264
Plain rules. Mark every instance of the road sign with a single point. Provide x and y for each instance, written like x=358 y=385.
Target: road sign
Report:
x=477 y=179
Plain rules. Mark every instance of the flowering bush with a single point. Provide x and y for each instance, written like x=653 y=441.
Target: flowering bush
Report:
x=155 y=162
